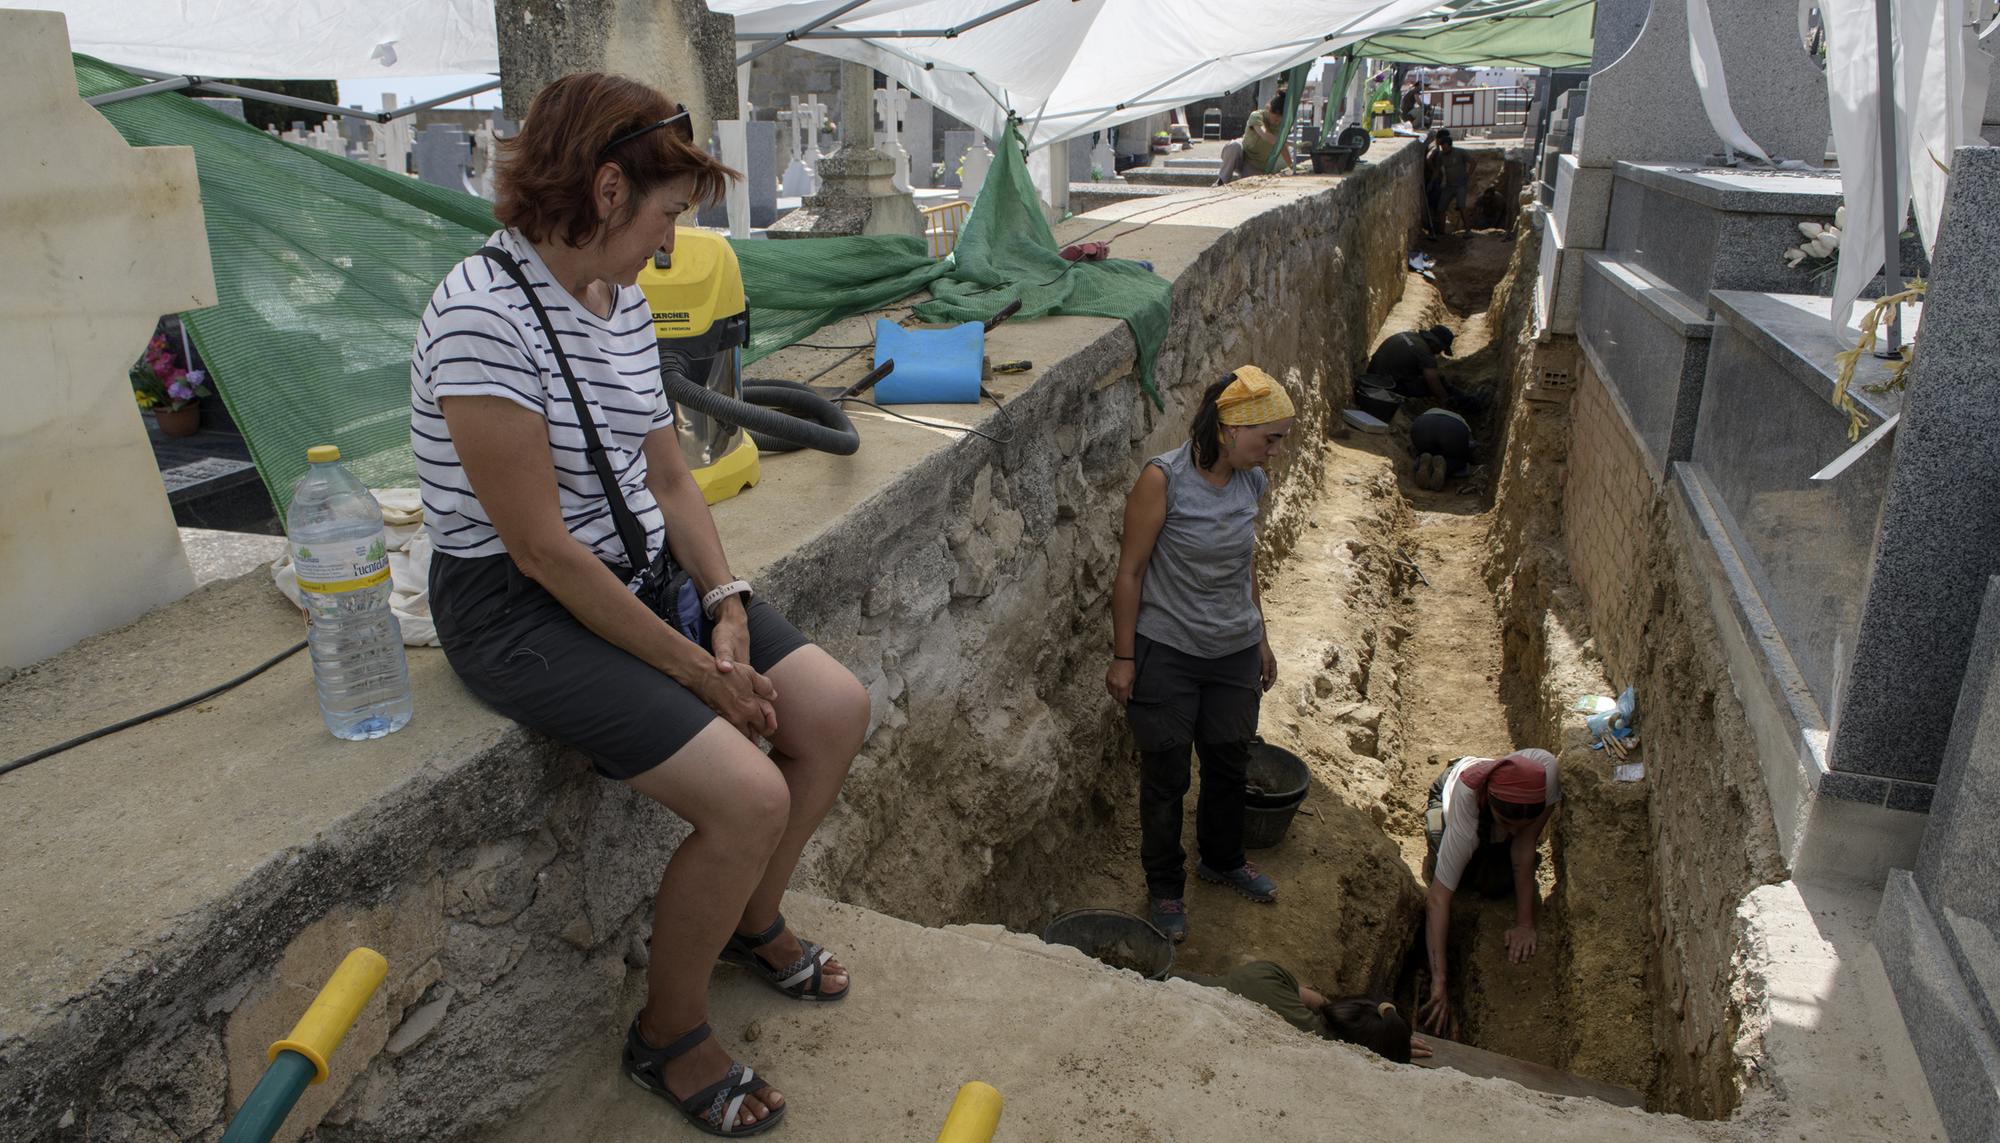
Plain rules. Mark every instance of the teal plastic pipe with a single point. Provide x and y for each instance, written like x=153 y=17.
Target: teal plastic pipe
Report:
x=271 y=1100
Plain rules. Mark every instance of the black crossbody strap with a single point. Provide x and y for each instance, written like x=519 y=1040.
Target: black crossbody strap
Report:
x=629 y=531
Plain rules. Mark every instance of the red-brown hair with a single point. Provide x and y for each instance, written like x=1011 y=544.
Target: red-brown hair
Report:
x=547 y=171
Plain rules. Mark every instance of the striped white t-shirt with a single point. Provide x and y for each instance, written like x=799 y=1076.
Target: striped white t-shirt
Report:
x=479 y=337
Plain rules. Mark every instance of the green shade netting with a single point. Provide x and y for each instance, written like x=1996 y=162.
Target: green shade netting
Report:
x=1005 y=253
x=1496 y=33
x=323 y=266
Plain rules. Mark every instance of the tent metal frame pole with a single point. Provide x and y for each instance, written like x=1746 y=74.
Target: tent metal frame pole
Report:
x=781 y=38
x=174 y=83
x=440 y=101
x=1892 y=218
x=811 y=32
x=217 y=87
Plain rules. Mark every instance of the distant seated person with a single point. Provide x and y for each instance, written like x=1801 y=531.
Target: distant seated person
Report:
x=1410 y=360
x=1251 y=155
x=1483 y=822
x=1441 y=440
x=1372 y=1024
x=1413 y=108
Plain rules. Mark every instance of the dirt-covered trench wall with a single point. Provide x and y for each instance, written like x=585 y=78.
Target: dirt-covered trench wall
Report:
x=1594 y=583
x=974 y=597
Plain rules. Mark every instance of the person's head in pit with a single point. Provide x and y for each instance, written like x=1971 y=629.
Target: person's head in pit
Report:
x=1439 y=339
x=1242 y=422
x=1372 y=1024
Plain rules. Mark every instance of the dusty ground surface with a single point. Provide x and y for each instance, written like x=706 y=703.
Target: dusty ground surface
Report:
x=1080 y=1053
x=1385 y=677
x=1347 y=897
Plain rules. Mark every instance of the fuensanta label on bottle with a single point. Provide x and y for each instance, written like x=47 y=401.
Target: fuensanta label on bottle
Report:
x=334 y=569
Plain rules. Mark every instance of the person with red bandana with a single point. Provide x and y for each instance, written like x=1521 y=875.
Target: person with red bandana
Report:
x=1485 y=818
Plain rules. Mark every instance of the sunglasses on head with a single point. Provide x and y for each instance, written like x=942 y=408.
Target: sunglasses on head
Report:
x=680 y=116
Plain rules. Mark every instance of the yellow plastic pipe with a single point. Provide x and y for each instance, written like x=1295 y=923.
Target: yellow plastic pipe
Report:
x=333 y=1011
x=975 y=1115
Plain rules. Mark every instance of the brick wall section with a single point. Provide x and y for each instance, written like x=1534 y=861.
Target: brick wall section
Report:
x=1607 y=507
x=1712 y=839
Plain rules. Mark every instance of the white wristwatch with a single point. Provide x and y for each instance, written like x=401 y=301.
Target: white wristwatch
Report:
x=716 y=595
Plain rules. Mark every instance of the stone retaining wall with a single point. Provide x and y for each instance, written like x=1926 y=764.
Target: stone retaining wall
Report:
x=1592 y=565
x=510 y=888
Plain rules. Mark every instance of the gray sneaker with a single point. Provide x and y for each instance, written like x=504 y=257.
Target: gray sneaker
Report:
x=1169 y=915
x=1246 y=880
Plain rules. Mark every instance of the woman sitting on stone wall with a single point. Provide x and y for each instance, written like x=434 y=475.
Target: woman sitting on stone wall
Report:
x=1190 y=659
x=563 y=513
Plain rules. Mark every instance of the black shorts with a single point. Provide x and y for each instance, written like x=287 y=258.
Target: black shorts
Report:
x=1179 y=699
x=520 y=650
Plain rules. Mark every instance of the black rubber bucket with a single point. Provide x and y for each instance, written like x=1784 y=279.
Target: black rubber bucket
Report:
x=1120 y=940
x=1277 y=781
x=1380 y=403
x=1333 y=159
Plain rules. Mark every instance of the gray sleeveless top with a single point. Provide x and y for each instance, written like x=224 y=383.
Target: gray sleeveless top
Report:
x=1196 y=596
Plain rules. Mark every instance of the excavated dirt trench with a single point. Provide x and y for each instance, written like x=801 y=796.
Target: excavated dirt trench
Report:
x=1393 y=661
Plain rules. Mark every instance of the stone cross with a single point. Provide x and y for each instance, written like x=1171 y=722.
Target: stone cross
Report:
x=483 y=139
x=856 y=194
x=802 y=122
x=389 y=143
x=977 y=161
x=789 y=118
x=857 y=108
x=73 y=316
x=327 y=137
x=891 y=103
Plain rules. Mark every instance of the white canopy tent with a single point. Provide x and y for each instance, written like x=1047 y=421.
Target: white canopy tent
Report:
x=1066 y=67
x=1063 y=66
x=285 y=39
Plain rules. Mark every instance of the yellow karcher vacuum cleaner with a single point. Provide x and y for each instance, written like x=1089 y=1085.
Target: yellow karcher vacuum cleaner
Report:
x=702 y=323
x=701 y=319
x=1384 y=114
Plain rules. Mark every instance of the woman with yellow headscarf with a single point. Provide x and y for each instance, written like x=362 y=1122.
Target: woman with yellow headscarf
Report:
x=1189 y=656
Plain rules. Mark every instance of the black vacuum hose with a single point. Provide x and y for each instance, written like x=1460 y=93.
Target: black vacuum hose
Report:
x=803 y=405
x=829 y=430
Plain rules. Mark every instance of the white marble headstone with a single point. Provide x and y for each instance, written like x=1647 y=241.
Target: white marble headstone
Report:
x=978 y=160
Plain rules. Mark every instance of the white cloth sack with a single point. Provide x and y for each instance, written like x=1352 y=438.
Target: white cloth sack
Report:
x=409 y=566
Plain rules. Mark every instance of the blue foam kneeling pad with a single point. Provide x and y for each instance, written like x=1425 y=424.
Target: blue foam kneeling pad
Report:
x=933 y=366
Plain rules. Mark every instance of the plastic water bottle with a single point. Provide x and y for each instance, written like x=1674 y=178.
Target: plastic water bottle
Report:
x=342 y=559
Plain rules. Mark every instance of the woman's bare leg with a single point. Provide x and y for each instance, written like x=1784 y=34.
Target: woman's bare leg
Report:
x=822 y=718
x=738 y=803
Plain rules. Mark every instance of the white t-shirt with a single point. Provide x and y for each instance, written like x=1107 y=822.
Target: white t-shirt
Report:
x=1461 y=816
x=479 y=337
